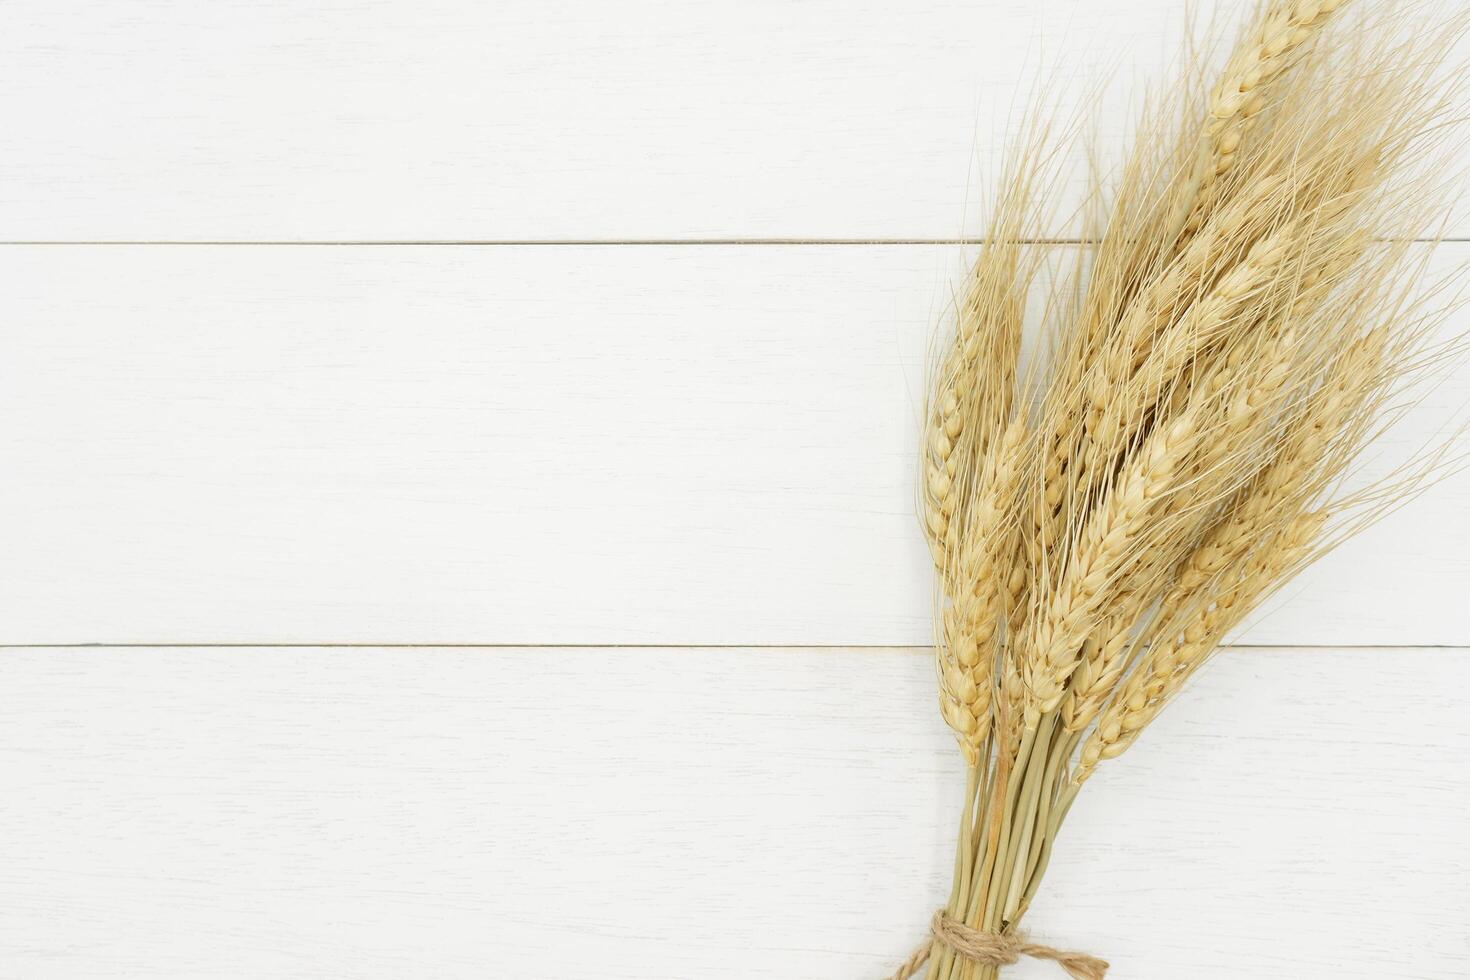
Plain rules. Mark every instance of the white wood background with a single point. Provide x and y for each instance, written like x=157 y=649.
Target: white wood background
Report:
x=456 y=516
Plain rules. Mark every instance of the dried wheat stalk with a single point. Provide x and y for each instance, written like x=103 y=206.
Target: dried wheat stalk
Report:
x=1247 y=315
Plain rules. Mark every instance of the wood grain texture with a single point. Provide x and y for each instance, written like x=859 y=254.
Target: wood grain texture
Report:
x=529 y=119
x=670 y=445
x=706 y=815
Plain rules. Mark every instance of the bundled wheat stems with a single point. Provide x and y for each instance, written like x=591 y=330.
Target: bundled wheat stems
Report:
x=1248 y=308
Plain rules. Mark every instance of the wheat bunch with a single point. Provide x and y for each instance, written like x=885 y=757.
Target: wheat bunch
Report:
x=1248 y=314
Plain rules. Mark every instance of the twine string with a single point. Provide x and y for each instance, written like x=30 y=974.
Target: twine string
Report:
x=992 y=949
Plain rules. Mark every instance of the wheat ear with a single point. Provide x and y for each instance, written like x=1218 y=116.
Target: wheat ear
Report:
x=1166 y=667
x=977 y=605
x=1108 y=543
x=1240 y=94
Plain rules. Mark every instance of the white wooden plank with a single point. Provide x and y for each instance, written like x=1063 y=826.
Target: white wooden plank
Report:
x=528 y=119
x=708 y=445
x=712 y=815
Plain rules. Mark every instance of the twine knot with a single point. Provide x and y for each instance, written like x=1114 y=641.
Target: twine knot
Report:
x=997 y=949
